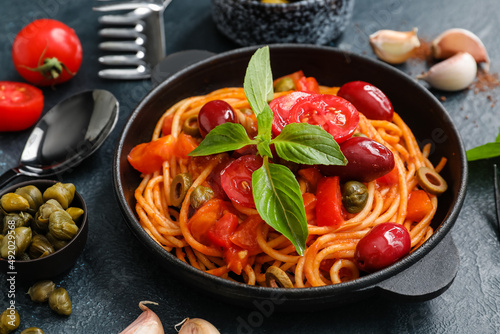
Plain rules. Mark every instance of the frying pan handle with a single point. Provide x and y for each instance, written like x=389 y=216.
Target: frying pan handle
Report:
x=426 y=279
x=175 y=62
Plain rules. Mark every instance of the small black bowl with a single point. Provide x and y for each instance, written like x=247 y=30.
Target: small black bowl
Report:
x=424 y=274
x=251 y=22
x=61 y=260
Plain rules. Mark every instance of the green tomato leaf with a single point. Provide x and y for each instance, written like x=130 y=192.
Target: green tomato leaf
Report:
x=308 y=144
x=224 y=137
x=279 y=202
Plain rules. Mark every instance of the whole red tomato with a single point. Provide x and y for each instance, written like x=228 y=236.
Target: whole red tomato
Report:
x=47 y=52
x=20 y=105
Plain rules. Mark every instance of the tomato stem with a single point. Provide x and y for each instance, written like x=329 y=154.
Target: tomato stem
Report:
x=50 y=69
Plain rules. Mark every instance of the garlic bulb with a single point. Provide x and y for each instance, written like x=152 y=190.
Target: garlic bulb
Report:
x=147 y=323
x=454 y=73
x=394 y=47
x=457 y=40
x=197 y=326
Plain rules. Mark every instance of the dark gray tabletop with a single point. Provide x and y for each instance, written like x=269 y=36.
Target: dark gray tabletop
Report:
x=115 y=272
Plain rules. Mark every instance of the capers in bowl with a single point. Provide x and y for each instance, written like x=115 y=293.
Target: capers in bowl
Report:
x=42 y=247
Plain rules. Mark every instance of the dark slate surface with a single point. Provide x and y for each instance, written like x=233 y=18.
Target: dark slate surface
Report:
x=115 y=272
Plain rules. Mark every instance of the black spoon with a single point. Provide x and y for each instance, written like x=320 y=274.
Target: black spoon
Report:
x=67 y=134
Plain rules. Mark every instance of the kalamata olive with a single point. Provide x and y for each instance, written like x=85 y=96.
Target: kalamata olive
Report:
x=385 y=244
x=368 y=99
x=367 y=160
x=354 y=196
x=214 y=113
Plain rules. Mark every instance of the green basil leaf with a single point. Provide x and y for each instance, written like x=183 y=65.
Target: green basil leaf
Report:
x=279 y=202
x=224 y=137
x=258 y=84
x=265 y=123
x=486 y=151
x=308 y=144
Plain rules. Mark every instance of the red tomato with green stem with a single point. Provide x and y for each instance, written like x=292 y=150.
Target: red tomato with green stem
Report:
x=20 y=105
x=47 y=52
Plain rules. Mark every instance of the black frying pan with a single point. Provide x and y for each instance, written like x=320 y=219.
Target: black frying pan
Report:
x=423 y=275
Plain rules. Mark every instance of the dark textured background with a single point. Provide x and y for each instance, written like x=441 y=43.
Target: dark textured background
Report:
x=115 y=272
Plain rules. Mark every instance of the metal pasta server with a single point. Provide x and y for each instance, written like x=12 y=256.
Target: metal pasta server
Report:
x=137 y=38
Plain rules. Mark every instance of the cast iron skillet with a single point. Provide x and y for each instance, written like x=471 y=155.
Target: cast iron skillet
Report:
x=423 y=275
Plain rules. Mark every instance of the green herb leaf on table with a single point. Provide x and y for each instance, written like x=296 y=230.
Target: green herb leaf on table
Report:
x=486 y=151
x=223 y=138
x=279 y=202
x=308 y=144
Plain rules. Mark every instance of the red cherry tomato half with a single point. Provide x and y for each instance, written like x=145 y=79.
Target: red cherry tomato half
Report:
x=281 y=107
x=47 y=52
x=368 y=99
x=334 y=114
x=20 y=105
x=385 y=244
x=236 y=179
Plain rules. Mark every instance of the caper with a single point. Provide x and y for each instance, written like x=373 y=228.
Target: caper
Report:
x=23 y=237
x=200 y=196
x=179 y=187
x=284 y=85
x=9 y=321
x=276 y=277
x=60 y=302
x=32 y=194
x=12 y=202
x=40 y=291
x=4 y=247
x=61 y=192
x=62 y=226
x=359 y=134
x=41 y=223
x=57 y=243
x=354 y=196
x=75 y=213
x=429 y=180
x=190 y=126
x=13 y=220
x=32 y=330
x=40 y=247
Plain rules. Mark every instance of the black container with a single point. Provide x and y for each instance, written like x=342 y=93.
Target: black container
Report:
x=61 y=260
x=424 y=274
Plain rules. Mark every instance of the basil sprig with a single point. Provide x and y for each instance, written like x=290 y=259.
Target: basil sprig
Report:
x=486 y=151
x=276 y=191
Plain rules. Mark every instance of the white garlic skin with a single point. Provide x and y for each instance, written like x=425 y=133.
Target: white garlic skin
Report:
x=147 y=323
x=197 y=326
x=452 y=74
x=394 y=47
x=455 y=40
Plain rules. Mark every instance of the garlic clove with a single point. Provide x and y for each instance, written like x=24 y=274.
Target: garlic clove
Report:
x=457 y=40
x=197 y=326
x=147 y=323
x=394 y=47
x=452 y=74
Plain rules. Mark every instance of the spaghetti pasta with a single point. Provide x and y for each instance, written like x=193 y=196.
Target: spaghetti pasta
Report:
x=329 y=256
